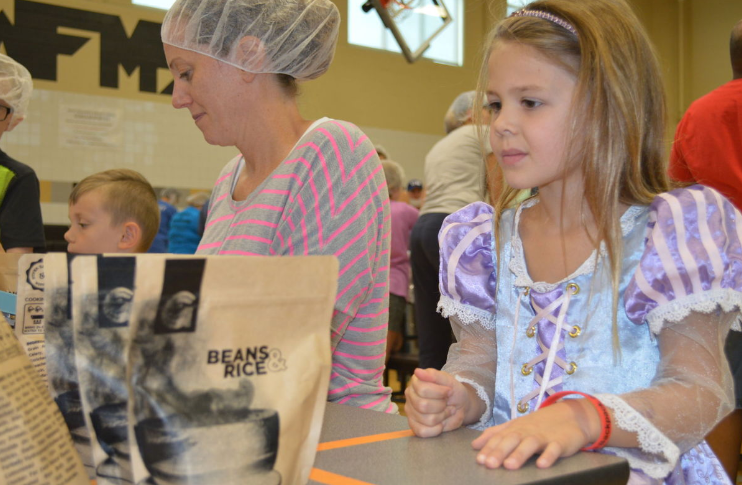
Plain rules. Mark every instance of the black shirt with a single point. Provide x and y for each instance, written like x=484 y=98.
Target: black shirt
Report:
x=21 y=225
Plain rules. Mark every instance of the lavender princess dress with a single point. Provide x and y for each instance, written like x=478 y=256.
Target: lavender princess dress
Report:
x=680 y=292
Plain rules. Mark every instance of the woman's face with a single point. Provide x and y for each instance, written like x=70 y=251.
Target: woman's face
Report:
x=211 y=90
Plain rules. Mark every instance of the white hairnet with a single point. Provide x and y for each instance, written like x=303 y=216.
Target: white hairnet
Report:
x=16 y=85
x=297 y=37
x=460 y=110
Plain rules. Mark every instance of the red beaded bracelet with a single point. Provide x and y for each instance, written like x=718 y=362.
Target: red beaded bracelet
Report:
x=605 y=418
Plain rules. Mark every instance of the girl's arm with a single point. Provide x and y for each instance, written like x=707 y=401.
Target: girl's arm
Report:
x=691 y=392
x=463 y=392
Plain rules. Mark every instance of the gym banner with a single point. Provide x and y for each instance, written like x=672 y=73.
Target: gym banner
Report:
x=81 y=45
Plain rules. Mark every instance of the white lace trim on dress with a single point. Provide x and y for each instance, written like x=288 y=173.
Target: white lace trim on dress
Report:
x=465 y=313
x=482 y=423
x=518 y=262
x=651 y=440
x=705 y=302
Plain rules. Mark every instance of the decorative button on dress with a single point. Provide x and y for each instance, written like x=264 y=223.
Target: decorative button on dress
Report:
x=661 y=368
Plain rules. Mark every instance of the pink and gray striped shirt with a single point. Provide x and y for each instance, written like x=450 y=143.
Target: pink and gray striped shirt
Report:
x=327 y=197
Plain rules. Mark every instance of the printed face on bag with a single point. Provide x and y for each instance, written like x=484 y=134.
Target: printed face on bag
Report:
x=117 y=305
x=179 y=312
x=91 y=227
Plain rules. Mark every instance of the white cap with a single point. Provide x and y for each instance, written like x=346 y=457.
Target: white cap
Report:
x=16 y=85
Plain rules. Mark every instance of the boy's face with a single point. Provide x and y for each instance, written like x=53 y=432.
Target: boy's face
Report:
x=91 y=230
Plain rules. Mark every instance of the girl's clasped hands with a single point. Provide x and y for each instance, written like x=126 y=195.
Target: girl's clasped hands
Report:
x=437 y=402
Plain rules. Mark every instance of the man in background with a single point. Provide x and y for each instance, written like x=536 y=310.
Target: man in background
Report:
x=708 y=151
x=454 y=177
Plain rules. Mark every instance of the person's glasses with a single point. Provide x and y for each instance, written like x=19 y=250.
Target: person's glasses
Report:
x=5 y=111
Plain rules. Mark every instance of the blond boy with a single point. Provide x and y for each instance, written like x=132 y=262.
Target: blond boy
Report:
x=112 y=212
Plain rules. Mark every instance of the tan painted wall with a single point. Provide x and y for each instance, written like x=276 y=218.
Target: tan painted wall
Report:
x=692 y=41
x=711 y=23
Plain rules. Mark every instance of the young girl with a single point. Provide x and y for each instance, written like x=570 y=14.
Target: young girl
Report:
x=604 y=288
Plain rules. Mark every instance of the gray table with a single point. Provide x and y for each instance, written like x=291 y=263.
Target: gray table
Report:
x=446 y=459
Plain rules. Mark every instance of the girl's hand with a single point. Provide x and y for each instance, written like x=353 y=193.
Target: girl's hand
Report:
x=556 y=431
x=436 y=402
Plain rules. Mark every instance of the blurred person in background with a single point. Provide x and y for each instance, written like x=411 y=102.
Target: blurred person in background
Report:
x=415 y=193
x=21 y=226
x=403 y=218
x=381 y=152
x=455 y=171
x=168 y=200
x=184 y=235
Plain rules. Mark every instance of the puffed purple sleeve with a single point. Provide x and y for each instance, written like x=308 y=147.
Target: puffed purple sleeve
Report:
x=692 y=260
x=466 y=277
x=468 y=284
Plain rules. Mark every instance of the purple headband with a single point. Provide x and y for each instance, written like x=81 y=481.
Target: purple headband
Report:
x=546 y=16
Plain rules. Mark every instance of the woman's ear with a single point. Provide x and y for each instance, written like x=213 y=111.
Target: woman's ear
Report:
x=251 y=54
x=131 y=237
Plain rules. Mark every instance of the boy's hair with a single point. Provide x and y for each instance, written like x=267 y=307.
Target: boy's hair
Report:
x=128 y=196
x=618 y=117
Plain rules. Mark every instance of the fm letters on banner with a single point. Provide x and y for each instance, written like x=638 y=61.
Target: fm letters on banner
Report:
x=34 y=40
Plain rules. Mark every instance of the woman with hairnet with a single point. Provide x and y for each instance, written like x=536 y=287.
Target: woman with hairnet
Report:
x=298 y=187
x=454 y=178
x=21 y=227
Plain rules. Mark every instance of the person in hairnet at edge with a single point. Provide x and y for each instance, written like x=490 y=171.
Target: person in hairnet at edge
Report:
x=21 y=226
x=298 y=186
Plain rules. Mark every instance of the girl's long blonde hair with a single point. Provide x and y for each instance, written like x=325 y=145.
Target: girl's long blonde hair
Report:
x=618 y=117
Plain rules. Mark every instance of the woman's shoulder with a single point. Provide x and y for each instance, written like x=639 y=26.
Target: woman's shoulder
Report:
x=229 y=169
x=342 y=147
x=342 y=134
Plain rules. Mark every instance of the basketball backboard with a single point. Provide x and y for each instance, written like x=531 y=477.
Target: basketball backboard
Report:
x=413 y=23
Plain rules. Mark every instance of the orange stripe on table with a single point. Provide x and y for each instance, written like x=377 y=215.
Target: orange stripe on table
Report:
x=328 y=478
x=363 y=440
